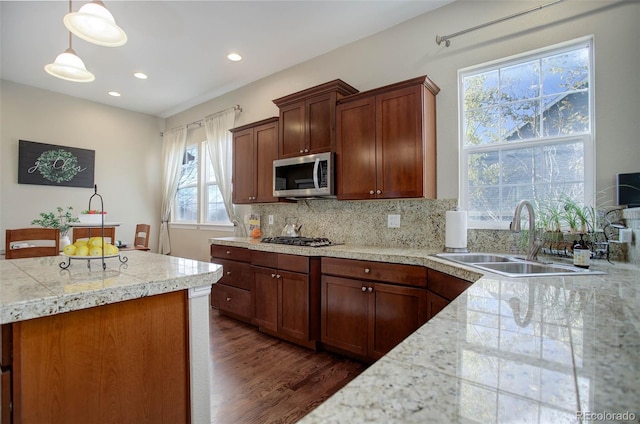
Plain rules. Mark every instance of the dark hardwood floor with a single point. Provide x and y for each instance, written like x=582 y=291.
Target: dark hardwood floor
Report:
x=259 y=379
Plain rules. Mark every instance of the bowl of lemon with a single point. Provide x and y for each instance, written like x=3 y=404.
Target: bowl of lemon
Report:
x=95 y=247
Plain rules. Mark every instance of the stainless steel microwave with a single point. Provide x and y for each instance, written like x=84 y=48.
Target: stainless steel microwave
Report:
x=304 y=176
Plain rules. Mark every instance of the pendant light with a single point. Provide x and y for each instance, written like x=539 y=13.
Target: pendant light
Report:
x=68 y=66
x=95 y=24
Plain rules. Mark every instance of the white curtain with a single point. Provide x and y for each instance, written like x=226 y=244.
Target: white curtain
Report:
x=220 y=142
x=173 y=145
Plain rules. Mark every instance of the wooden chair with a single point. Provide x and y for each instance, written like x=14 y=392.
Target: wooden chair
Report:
x=141 y=238
x=27 y=243
x=83 y=233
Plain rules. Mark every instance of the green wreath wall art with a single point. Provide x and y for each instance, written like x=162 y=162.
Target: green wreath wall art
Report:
x=58 y=165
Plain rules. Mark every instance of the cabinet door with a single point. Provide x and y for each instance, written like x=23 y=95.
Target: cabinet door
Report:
x=320 y=124
x=435 y=304
x=395 y=313
x=5 y=397
x=344 y=314
x=399 y=144
x=355 y=150
x=293 y=305
x=243 y=167
x=266 y=140
x=265 y=295
x=292 y=130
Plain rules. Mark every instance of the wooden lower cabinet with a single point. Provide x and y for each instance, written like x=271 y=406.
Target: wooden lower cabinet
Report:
x=286 y=296
x=443 y=288
x=365 y=318
x=126 y=362
x=232 y=294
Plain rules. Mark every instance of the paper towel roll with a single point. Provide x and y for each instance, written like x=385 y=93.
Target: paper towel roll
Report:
x=456 y=230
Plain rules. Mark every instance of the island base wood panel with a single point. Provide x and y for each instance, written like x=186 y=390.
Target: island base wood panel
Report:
x=126 y=362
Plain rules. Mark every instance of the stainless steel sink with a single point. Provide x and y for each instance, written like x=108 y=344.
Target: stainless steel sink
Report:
x=470 y=258
x=512 y=266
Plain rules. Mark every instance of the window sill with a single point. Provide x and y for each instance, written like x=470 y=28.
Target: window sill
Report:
x=225 y=228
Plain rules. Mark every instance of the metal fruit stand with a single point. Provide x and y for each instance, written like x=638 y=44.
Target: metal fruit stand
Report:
x=123 y=259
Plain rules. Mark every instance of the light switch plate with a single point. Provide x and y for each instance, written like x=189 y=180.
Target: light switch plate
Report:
x=393 y=221
x=270 y=219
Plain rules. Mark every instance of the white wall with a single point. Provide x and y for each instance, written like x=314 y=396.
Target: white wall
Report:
x=409 y=50
x=127 y=148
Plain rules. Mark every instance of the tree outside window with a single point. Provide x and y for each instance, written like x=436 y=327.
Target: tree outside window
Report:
x=526 y=133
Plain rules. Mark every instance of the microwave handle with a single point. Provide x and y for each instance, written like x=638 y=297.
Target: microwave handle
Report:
x=315 y=173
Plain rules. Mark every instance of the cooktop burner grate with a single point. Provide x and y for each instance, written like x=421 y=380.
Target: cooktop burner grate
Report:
x=299 y=241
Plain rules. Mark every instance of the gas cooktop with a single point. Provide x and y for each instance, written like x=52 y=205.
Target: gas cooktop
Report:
x=299 y=241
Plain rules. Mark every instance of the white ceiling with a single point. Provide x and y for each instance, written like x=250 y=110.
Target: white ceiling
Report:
x=182 y=45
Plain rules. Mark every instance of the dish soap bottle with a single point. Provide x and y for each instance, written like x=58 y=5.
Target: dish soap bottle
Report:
x=581 y=253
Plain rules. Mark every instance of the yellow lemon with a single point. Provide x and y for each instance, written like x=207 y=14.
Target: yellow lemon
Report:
x=95 y=251
x=95 y=242
x=79 y=243
x=69 y=250
x=110 y=249
x=82 y=251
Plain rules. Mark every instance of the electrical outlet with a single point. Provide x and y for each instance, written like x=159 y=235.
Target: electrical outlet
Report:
x=270 y=219
x=393 y=221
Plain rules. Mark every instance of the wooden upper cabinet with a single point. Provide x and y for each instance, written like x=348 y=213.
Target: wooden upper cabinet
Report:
x=386 y=142
x=307 y=119
x=255 y=147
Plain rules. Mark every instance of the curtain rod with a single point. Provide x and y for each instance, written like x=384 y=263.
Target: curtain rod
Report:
x=200 y=121
x=446 y=38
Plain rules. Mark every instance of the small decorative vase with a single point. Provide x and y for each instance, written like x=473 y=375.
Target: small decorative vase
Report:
x=64 y=241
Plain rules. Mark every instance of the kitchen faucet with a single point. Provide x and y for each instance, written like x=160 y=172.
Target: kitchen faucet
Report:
x=534 y=243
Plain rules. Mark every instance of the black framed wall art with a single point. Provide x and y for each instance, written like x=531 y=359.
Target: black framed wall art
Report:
x=49 y=164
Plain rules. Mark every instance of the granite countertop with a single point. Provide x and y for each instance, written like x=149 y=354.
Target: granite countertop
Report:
x=36 y=287
x=545 y=349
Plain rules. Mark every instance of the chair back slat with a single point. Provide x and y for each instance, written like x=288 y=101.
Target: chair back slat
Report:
x=32 y=238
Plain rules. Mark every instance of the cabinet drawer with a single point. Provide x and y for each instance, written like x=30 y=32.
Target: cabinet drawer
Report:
x=446 y=285
x=281 y=261
x=233 y=253
x=410 y=275
x=232 y=299
x=236 y=274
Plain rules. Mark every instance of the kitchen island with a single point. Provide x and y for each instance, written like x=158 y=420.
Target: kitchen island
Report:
x=542 y=350
x=126 y=344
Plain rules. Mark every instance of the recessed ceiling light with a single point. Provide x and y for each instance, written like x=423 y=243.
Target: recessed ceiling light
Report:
x=114 y=93
x=234 y=57
x=140 y=75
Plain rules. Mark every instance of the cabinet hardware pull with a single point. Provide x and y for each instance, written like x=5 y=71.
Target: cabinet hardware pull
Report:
x=228 y=252
x=370 y=289
x=228 y=299
x=228 y=272
x=273 y=275
x=301 y=151
x=364 y=289
x=367 y=270
x=370 y=191
x=378 y=191
x=277 y=275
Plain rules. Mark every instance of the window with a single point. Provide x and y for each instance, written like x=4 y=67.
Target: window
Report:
x=198 y=199
x=526 y=132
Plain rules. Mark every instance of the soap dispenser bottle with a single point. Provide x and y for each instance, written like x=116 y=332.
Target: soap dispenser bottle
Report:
x=581 y=253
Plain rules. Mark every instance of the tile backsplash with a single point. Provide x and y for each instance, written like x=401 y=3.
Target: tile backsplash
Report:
x=422 y=225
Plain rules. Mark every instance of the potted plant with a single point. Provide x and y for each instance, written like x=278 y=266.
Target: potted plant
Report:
x=61 y=221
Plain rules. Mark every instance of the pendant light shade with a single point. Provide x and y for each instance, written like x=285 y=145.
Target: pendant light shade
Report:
x=68 y=66
x=95 y=24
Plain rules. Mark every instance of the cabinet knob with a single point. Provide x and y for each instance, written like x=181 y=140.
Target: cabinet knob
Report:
x=228 y=252
x=367 y=270
x=306 y=150
x=301 y=151
x=277 y=275
x=371 y=192
x=369 y=289
x=228 y=272
x=364 y=289
x=228 y=299
x=378 y=191
x=273 y=275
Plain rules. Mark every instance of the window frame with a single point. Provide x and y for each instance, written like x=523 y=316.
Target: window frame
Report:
x=202 y=187
x=587 y=139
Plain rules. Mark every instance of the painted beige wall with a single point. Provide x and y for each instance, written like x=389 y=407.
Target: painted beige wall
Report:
x=127 y=158
x=409 y=50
